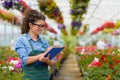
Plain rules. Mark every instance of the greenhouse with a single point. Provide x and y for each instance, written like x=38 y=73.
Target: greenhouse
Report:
x=59 y=40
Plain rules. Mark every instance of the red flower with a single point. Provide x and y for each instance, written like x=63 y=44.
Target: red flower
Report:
x=111 y=66
x=0 y=62
x=98 y=64
x=116 y=61
x=103 y=57
x=108 y=24
x=94 y=32
x=15 y=58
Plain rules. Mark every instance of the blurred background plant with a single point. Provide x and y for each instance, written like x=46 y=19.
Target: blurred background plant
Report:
x=10 y=65
x=100 y=64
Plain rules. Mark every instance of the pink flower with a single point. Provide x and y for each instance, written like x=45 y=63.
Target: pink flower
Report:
x=15 y=61
x=17 y=65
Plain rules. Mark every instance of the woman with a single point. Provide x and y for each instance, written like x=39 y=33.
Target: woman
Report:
x=31 y=48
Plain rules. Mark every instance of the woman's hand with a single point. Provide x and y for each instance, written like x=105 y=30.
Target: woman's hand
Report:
x=40 y=57
x=47 y=60
x=43 y=54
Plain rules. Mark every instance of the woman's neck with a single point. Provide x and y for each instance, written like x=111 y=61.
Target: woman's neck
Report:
x=33 y=36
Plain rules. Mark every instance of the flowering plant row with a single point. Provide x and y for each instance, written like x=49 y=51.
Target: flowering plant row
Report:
x=101 y=65
x=10 y=64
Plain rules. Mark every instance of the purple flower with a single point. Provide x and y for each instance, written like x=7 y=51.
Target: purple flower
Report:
x=56 y=11
x=72 y=11
x=76 y=23
x=75 y=12
x=22 y=9
x=9 y=4
x=60 y=26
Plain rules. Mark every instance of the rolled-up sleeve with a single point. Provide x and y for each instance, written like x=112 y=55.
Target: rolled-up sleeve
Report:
x=20 y=49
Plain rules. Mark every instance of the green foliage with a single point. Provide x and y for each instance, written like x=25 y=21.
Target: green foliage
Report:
x=70 y=43
x=5 y=52
x=85 y=60
x=6 y=74
x=98 y=73
x=51 y=40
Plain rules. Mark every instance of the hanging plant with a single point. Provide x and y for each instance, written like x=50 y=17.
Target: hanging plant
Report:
x=78 y=8
x=49 y=8
x=9 y=17
x=107 y=27
x=15 y=4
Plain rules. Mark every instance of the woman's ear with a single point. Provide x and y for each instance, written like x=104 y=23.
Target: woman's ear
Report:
x=30 y=24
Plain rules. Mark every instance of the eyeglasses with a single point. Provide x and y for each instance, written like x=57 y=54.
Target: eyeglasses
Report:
x=39 y=25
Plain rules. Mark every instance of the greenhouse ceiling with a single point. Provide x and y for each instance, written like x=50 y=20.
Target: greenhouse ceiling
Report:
x=98 y=12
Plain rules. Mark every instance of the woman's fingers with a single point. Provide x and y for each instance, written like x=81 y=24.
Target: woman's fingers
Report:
x=45 y=59
x=48 y=56
x=49 y=48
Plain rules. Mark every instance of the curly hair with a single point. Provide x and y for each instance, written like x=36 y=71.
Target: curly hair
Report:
x=31 y=16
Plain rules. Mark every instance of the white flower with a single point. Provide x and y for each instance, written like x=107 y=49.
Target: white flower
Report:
x=9 y=67
x=96 y=60
x=14 y=62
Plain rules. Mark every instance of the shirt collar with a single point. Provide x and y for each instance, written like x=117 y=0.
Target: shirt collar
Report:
x=29 y=37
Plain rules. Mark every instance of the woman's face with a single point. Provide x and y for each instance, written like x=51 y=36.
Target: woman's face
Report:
x=37 y=27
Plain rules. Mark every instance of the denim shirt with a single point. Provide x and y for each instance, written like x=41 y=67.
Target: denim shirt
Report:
x=23 y=47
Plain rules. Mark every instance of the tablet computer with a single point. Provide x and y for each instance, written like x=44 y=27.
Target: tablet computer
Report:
x=53 y=52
